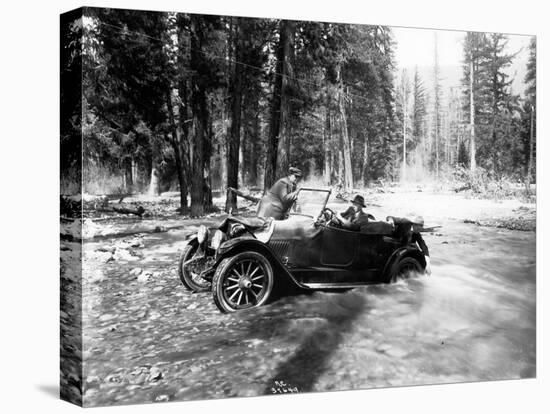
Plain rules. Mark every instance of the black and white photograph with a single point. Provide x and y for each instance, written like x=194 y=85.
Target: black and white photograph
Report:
x=259 y=206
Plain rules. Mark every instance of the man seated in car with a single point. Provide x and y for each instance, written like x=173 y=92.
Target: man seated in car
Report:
x=354 y=217
x=409 y=233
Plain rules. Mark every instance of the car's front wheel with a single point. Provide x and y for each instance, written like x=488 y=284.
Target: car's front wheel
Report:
x=404 y=268
x=242 y=281
x=190 y=267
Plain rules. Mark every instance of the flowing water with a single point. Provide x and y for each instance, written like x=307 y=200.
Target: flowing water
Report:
x=147 y=339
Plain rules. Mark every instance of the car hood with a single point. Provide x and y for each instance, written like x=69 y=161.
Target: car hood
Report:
x=250 y=223
x=296 y=227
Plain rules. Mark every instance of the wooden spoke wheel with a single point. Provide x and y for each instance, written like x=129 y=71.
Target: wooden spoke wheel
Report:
x=243 y=281
x=191 y=264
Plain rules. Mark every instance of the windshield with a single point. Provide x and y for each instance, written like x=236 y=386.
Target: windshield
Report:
x=310 y=202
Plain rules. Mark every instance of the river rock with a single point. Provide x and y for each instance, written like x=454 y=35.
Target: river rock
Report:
x=383 y=347
x=254 y=342
x=95 y=276
x=142 y=314
x=248 y=390
x=123 y=254
x=162 y=398
x=196 y=369
x=135 y=271
x=391 y=350
x=137 y=243
x=107 y=317
x=116 y=378
x=93 y=381
x=144 y=277
x=154 y=316
x=396 y=352
x=155 y=374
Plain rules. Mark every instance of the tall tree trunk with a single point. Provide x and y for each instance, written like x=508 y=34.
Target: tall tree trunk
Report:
x=365 y=164
x=223 y=151
x=333 y=165
x=207 y=148
x=285 y=131
x=243 y=160
x=175 y=141
x=494 y=148
x=531 y=145
x=472 y=117
x=404 y=104
x=200 y=134
x=436 y=107
x=133 y=167
x=234 y=134
x=226 y=109
x=153 y=182
x=255 y=145
x=344 y=136
x=341 y=179
x=181 y=178
x=277 y=105
x=128 y=176
x=327 y=140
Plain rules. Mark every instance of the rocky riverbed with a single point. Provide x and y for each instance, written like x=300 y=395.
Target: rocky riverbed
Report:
x=147 y=339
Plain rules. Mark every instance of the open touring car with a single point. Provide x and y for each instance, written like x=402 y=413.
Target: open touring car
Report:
x=245 y=258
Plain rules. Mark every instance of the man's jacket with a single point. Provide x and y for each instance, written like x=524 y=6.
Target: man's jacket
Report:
x=278 y=200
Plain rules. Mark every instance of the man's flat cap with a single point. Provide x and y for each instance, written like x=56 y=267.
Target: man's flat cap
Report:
x=296 y=171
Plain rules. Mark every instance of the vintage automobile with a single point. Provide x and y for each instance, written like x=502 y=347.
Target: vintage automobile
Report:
x=244 y=259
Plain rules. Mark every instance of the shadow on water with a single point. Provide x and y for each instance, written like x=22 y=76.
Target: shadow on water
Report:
x=311 y=358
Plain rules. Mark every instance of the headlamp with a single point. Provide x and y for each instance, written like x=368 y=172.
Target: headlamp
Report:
x=236 y=230
x=202 y=234
x=217 y=239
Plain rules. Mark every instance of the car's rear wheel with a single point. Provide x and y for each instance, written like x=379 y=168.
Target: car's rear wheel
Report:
x=243 y=281
x=189 y=269
x=404 y=269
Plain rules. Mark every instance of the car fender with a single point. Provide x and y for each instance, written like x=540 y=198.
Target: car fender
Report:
x=399 y=254
x=191 y=236
x=234 y=246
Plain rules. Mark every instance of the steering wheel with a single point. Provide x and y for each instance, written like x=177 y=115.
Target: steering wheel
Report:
x=331 y=218
x=328 y=214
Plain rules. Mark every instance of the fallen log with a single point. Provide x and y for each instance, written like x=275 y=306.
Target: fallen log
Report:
x=429 y=229
x=117 y=208
x=243 y=195
x=93 y=202
x=462 y=188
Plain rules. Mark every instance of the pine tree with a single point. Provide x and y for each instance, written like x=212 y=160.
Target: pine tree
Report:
x=530 y=111
x=404 y=115
x=419 y=109
x=473 y=85
x=280 y=117
x=436 y=114
x=497 y=62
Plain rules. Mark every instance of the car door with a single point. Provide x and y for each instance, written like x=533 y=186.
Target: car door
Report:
x=373 y=251
x=339 y=247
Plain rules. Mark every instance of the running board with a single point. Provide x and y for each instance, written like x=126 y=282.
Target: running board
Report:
x=334 y=285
